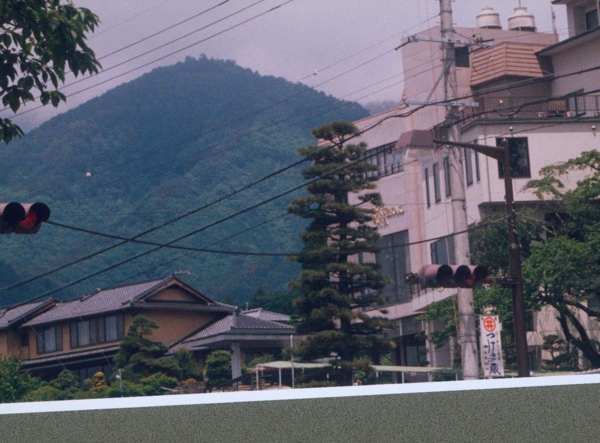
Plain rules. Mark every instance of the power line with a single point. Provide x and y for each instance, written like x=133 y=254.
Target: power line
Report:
x=376 y=124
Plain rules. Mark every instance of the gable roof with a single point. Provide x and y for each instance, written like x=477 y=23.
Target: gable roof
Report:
x=233 y=327
x=11 y=316
x=116 y=299
x=239 y=323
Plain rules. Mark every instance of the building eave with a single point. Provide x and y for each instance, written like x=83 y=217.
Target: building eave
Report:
x=570 y=43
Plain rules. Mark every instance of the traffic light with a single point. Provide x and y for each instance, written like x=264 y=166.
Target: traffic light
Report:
x=451 y=276
x=22 y=218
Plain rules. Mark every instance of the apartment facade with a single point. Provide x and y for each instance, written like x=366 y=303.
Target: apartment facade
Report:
x=539 y=93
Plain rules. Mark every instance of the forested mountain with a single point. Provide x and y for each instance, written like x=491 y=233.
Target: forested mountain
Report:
x=170 y=155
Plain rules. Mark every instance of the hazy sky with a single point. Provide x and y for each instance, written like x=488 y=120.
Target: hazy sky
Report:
x=342 y=47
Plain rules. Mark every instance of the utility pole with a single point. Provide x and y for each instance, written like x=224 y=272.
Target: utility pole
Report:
x=515 y=277
x=466 y=310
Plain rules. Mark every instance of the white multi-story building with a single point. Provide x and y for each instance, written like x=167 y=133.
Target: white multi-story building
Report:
x=541 y=93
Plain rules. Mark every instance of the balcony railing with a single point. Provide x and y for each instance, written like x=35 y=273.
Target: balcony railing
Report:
x=528 y=108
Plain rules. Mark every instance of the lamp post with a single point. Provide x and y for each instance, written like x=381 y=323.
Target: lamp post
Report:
x=515 y=278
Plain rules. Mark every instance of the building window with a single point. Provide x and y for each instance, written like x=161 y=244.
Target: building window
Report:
x=461 y=56
x=427 y=187
x=393 y=258
x=477 y=171
x=387 y=159
x=49 y=339
x=24 y=339
x=436 y=183
x=468 y=166
x=96 y=330
x=447 y=180
x=442 y=251
x=591 y=19
x=519 y=158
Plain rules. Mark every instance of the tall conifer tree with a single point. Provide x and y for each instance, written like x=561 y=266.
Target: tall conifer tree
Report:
x=334 y=283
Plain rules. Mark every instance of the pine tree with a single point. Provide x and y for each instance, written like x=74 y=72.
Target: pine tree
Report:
x=334 y=284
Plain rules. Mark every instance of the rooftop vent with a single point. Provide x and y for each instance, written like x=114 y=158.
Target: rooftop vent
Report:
x=488 y=19
x=521 y=20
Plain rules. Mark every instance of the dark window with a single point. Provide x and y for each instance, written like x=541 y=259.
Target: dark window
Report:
x=49 y=339
x=436 y=183
x=393 y=260
x=519 y=158
x=96 y=330
x=447 y=180
x=442 y=251
x=468 y=166
x=591 y=19
x=461 y=56
x=427 y=187
x=24 y=339
x=477 y=172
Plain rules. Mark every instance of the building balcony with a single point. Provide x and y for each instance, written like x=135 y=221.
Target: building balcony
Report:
x=572 y=106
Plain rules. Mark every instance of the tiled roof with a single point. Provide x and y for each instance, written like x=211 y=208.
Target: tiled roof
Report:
x=238 y=323
x=10 y=315
x=508 y=59
x=102 y=301
x=267 y=315
x=103 y=352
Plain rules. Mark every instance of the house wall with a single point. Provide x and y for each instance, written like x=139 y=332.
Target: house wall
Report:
x=570 y=59
x=173 y=326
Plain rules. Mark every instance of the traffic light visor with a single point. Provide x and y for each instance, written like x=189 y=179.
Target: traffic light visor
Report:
x=23 y=218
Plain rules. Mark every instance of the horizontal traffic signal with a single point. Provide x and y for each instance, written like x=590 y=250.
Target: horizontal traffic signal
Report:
x=22 y=218
x=451 y=276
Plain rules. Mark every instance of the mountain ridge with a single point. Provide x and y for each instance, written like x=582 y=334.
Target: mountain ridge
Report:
x=187 y=138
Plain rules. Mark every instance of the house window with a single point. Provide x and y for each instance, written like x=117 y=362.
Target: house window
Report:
x=468 y=166
x=447 y=180
x=427 y=187
x=436 y=183
x=49 y=339
x=442 y=251
x=96 y=330
x=519 y=158
x=477 y=171
x=393 y=259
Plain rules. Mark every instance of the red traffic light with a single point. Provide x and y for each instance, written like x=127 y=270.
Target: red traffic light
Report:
x=22 y=218
x=451 y=276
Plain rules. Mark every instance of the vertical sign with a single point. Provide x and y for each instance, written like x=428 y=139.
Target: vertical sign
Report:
x=491 y=346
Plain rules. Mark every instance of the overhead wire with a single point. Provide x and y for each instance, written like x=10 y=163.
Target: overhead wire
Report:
x=410 y=112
